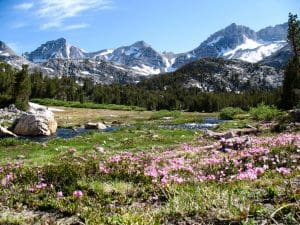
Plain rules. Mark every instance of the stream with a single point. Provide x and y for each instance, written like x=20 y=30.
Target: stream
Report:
x=67 y=133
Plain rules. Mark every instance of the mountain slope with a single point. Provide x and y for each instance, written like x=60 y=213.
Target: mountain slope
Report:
x=57 y=49
x=9 y=56
x=141 y=57
x=99 y=70
x=279 y=59
x=276 y=33
x=238 y=42
x=217 y=74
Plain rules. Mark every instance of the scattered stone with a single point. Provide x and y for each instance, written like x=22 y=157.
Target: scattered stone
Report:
x=236 y=143
x=36 y=123
x=20 y=157
x=231 y=133
x=100 y=149
x=99 y=125
x=6 y=133
x=217 y=135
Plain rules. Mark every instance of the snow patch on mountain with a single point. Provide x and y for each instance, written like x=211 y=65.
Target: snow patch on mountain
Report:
x=145 y=70
x=4 y=53
x=261 y=52
x=248 y=44
x=131 y=51
x=214 y=41
x=168 y=62
x=252 y=51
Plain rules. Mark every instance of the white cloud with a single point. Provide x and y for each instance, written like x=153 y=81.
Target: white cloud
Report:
x=24 y=6
x=55 y=12
x=75 y=26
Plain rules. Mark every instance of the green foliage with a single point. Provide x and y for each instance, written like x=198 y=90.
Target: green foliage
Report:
x=271 y=192
x=7 y=79
x=22 y=89
x=291 y=83
x=165 y=113
x=63 y=175
x=6 y=142
x=230 y=113
x=265 y=112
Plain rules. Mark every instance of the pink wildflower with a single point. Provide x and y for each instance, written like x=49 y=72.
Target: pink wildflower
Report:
x=77 y=194
x=283 y=170
x=59 y=194
x=31 y=189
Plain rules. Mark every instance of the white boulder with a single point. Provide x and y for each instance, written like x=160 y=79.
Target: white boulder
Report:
x=38 y=122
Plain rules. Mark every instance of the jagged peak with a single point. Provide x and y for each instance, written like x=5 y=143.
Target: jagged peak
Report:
x=235 y=26
x=141 y=44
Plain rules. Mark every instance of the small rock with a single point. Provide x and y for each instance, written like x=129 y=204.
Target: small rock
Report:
x=167 y=118
x=99 y=149
x=20 y=157
x=229 y=134
x=154 y=136
x=99 y=125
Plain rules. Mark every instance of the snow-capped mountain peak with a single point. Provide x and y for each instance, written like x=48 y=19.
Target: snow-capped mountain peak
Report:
x=5 y=50
x=59 y=48
x=141 y=57
x=238 y=42
x=232 y=42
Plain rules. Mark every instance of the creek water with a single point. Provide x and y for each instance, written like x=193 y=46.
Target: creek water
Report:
x=67 y=133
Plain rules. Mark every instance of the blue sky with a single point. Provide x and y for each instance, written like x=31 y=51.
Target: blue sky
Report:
x=167 y=25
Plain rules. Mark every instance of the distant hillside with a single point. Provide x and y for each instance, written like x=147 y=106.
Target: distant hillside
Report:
x=217 y=74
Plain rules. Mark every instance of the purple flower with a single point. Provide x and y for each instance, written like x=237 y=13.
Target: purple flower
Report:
x=77 y=194
x=283 y=170
x=31 y=189
x=59 y=194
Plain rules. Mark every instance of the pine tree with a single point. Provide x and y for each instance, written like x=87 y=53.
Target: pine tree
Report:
x=291 y=84
x=22 y=88
x=7 y=79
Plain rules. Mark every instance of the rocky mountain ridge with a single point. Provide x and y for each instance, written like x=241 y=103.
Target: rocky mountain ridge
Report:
x=219 y=75
x=134 y=62
x=238 y=42
x=232 y=42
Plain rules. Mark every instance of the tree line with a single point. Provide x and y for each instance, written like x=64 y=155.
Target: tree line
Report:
x=18 y=87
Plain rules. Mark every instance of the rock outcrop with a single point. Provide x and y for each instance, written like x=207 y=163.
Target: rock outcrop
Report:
x=36 y=123
x=9 y=114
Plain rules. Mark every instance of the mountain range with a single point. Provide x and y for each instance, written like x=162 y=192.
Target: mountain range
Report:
x=135 y=62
